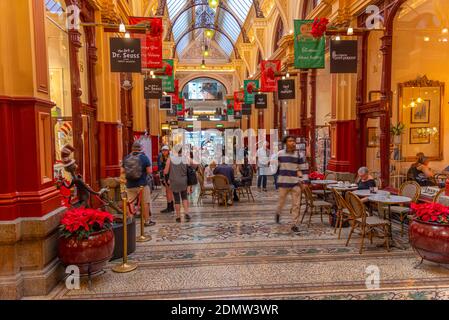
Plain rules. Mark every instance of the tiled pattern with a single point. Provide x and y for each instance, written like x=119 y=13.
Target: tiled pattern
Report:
x=239 y=252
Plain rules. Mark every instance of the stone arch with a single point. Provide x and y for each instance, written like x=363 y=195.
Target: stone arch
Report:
x=195 y=75
x=279 y=23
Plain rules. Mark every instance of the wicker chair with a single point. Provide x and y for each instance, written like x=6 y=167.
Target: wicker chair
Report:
x=325 y=191
x=367 y=224
x=409 y=189
x=312 y=205
x=437 y=197
x=204 y=191
x=342 y=213
x=222 y=189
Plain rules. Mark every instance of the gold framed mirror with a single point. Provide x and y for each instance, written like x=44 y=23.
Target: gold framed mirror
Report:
x=421 y=111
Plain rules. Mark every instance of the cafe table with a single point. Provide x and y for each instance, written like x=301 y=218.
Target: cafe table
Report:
x=367 y=193
x=323 y=183
x=390 y=200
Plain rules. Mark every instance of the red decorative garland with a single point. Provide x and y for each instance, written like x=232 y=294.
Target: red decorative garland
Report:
x=319 y=27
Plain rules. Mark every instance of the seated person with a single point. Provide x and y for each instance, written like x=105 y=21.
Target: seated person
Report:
x=365 y=181
x=246 y=170
x=208 y=174
x=227 y=171
x=421 y=172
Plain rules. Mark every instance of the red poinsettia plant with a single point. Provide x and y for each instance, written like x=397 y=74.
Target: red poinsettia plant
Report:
x=168 y=71
x=269 y=73
x=250 y=87
x=82 y=222
x=431 y=212
x=319 y=27
x=315 y=175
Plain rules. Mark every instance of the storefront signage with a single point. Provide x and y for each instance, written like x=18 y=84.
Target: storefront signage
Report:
x=152 y=88
x=239 y=99
x=203 y=117
x=286 y=89
x=309 y=51
x=151 y=41
x=251 y=87
x=173 y=123
x=230 y=107
x=268 y=69
x=237 y=114
x=343 y=56
x=246 y=109
x=261 y=101
x=125 y=55
x=173 y=111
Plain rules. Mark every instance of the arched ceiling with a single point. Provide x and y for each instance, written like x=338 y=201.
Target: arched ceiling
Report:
x=190 y=18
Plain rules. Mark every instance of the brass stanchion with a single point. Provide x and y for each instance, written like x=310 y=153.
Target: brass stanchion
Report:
x=142 y=237
x=125 y=266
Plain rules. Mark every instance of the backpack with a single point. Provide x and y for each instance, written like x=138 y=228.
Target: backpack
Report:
x=191 y=176
x=133 y=167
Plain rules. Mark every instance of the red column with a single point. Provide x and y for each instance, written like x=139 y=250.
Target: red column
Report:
x=312 y=117
x=26 y=158
x=108 y=135
x=343 y=151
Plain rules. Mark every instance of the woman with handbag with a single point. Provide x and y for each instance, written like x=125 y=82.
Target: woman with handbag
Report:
x=177 y=171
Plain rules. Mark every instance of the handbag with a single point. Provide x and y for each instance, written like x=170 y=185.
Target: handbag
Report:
x=192 y=179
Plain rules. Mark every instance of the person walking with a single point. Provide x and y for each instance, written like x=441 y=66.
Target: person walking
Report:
x=161 y=162
x=176 y=170
x=136 y=166
x=263 y=161
x=289 y=163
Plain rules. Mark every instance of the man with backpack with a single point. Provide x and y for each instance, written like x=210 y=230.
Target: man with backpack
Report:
x=136 y=167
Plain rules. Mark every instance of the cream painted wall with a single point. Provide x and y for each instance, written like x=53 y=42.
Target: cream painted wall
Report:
x=413 y=57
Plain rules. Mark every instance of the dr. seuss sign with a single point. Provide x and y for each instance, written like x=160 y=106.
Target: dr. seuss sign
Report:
x=125 y=55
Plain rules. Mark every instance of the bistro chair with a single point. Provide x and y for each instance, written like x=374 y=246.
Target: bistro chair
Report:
x=331 y=176
x=409 y=189
x=204 y=191
x=312 y=205
x=222 y=189
x=437 y=198
x=323 y=192
x=342 y=212
x=367 y=224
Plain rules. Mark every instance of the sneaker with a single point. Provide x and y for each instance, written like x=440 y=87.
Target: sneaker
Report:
x=278 y=218
x=188 y=217
x=149 y=223
x=178 y=220
x=265 y=190
x=295 y=229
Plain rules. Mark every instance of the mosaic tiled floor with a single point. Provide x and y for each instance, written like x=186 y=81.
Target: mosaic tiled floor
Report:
x=239 y=252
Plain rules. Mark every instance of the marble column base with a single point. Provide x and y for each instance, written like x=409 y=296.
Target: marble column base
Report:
x=29 y=265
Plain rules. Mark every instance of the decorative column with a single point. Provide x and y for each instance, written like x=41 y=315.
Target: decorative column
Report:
x=312 y=121
x=77 y=123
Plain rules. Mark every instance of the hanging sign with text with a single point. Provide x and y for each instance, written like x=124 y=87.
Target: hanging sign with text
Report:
x=268 y=69
x=125 y=55
x=152 y=88
x=239 y=99
x=246 y=109
x=151 y=41
x=286 y=89
x=343 y=56
x=309 y=51
x=251 y=87
x=230 y=107
x=261 y=101
x=167 y=75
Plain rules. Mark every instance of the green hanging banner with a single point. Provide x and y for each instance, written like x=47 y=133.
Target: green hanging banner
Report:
x=309 y=51
x=167 y=74
x=230 y=107
x=251 y=89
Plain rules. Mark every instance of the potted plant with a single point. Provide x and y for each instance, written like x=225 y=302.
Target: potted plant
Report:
x=396 y=131
x=429 y=231
x=87 y=239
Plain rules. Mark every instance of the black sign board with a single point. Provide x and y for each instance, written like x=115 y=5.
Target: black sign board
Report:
x=152 y=88
x=173 y=123
x=125 y=55
x=165 y=103
x=343 y=56
x=180 y=118
x=173 y=112
x=261 y=101
x=246 y=109
x=237 y=114
x=224 y=117
x=286 y=89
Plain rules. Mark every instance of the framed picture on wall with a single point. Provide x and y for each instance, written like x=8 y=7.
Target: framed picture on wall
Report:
x=421 y=112
x=373 y=138
x=419 y=136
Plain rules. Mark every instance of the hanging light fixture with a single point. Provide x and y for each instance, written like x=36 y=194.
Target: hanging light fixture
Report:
x=213 y=4
x=206 y=50
x=127 y=35
x=337 y=38
x=350 y=31
x=203 y=64
x=209 y=33
x=122 y=28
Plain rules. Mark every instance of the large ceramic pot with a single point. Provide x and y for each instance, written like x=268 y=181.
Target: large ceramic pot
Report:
x=90 y=254
x=430 y=240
